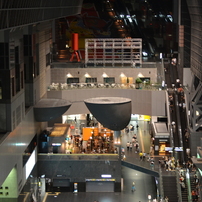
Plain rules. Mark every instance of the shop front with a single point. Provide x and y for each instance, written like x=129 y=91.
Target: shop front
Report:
x=161 y=138
x=161 y=145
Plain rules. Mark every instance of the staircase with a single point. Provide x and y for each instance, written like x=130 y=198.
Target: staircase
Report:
x=170 y=188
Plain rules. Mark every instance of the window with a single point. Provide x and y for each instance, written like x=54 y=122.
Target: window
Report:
x=73 y=80
x=91 y=80
x=109 y=80
x=13 y=86
x=47 y=59
x=22 y=79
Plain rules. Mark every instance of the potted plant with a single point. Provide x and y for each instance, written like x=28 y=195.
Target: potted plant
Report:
x=138 y=81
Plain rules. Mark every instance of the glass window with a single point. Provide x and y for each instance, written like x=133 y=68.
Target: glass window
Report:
x=72 y=80
x=109 y=80
x=91 y=80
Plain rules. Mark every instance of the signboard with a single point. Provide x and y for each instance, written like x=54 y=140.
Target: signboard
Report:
x=178 y=148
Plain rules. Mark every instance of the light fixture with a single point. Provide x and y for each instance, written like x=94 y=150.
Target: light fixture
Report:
x=117 y=141
x=122 y=74
x=69 y=75
x=106 y=176
x=87 y=75
x=104 y=75
x=56 y=144
x=140 y=75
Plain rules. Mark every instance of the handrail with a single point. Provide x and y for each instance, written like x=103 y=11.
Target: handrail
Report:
x=73 y=86
x=161 y=189
x=188 y=185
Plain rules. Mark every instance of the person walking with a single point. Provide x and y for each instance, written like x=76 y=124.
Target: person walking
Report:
x=137 y=147
x=133 y=187
x=141 y=155
x=128 y=145
x=131 y=146
x=166 y=199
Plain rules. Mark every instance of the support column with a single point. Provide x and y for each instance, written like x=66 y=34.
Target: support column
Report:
x=117 y=142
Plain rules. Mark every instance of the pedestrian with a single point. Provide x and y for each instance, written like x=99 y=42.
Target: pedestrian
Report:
x=182 y=186
x=144 y=156
x=166 y=199
x=133 y=187
x=137 y=146
x=193 y=194
x=137 y=126
x=131 y=146
x=140 y=155
x=152 y=161
x=132 y=128
x=128 y=145
x=127 y=129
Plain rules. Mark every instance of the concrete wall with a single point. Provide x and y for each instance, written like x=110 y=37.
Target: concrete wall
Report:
x=79 y=170
x=59 y=75
x=11 y=152
x=16 y=119
x=195 y=141
x=145 y=102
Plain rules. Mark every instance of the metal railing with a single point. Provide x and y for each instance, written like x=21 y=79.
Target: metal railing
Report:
x=73 y=86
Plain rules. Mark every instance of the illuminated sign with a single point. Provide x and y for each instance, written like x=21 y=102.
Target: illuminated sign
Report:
x=170 y=149
x=106 y=176
x=178 y=148
x=97 y=180
x=56 y=144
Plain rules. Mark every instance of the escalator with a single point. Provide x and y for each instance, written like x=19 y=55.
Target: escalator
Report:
x=178 y=121
x=170 y=188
